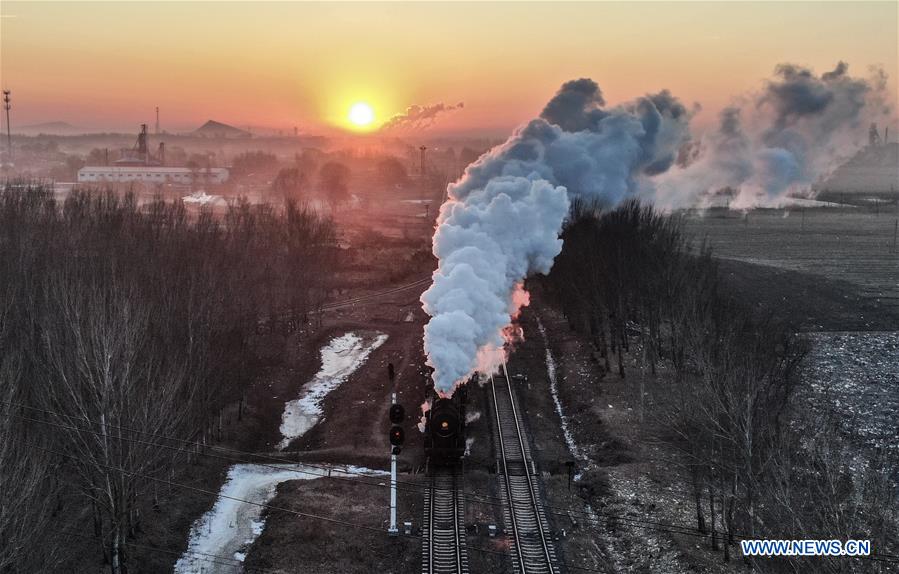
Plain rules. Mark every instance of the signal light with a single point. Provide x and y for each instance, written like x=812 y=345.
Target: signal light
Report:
x=397 y=413
x=397 y=435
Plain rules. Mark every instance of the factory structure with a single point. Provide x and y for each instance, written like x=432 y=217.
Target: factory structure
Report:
x=872 y=174
x=139 y=164
x=152 y=174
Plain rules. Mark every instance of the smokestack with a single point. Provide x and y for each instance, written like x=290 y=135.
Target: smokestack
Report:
x=157 y=120
x=873 y=136
x=143 y=149
x=6 y=107
x=422 y=160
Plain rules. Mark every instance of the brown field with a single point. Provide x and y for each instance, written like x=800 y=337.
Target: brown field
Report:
x=855 y=247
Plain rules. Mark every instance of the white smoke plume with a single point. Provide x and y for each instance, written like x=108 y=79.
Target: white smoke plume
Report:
x=503 y=217
x=418 y=117
x=781 y=140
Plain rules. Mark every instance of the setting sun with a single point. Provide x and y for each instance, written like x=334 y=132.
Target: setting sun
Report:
x=361 y=114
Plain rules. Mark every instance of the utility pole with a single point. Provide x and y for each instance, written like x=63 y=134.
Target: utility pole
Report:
x=6 y=107
x=157 y=120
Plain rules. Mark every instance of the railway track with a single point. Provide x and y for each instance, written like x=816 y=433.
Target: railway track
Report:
x=530 y=543
x=443 y=526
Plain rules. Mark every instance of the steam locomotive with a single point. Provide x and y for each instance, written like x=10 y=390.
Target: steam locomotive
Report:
x=445 y=429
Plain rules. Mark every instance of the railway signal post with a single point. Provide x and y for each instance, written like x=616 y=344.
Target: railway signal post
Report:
x=397 y=435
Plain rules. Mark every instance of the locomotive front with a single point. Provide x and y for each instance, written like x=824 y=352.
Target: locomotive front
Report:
x=445 y=429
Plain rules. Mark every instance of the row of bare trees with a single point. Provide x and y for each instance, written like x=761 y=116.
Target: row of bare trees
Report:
x=121 y=325
x=294 y=182
x=755 y=463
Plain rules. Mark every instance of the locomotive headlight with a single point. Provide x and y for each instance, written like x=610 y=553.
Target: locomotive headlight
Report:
x=444 y=425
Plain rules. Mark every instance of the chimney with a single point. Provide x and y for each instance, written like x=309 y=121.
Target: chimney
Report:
x=422 y=150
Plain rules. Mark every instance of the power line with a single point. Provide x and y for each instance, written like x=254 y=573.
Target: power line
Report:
x=201 y=447
x=362 y=298
x=412 y=487
x=204 y=491
x=268 y=506
x=592 y=516
x=206 y=556
x=264 y=505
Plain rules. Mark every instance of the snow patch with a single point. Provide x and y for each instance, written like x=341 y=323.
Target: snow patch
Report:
x=235 y=521
x=340 y=359
x=575 y=449
x=857 y=374
x=203 y=198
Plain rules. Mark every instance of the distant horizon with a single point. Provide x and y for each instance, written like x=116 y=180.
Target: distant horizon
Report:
x=266 y=131
x=274 y=66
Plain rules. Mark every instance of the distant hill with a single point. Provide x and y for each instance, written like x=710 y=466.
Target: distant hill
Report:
x=873 y=170
x=214 y=129
x=50 y=128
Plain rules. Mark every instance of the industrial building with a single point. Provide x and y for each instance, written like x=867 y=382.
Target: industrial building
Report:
x=138 y=164
x=152 y=174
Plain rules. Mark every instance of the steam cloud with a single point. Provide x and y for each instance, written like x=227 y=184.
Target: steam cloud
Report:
x=503 y=218
x=418 y=117
x=781 y=140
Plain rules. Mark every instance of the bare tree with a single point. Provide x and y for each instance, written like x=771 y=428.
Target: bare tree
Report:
x=108 y=392
x=28 y=475
x=130 y=324
x=290 y=183
x=729 y=407
x=334 y=178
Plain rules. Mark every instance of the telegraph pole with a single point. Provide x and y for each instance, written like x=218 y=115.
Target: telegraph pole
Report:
x=6 y=107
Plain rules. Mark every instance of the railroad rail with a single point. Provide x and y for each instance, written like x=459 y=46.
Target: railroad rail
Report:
x=530 y=545
x=443 y=526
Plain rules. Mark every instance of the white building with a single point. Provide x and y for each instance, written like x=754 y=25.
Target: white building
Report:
x=151 y=174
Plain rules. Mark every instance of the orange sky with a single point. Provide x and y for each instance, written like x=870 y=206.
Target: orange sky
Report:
x=280 y=64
